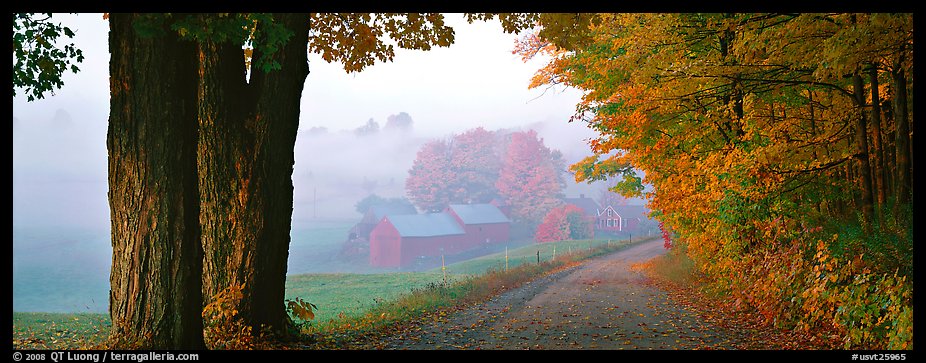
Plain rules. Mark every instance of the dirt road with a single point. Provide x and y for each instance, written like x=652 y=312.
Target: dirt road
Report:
x=601 y=304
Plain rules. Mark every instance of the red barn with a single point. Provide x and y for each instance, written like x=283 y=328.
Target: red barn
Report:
x=483 y=223
x=399 y=239
x=374 y=215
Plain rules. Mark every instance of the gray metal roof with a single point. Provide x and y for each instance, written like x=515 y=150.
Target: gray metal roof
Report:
x=479 y=213
x=426 y=225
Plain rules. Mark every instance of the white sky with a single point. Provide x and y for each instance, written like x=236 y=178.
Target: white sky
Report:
x=476 y=81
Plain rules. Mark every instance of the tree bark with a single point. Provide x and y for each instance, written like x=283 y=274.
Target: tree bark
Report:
x=861 y=152
x=155 y=294
x=245 y=158
x=879 y=170
x=903 y=143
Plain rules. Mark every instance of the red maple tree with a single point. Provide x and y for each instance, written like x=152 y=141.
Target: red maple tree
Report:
x=528 y=179
x=429 y=181
x=565 y=222
x=475 y=163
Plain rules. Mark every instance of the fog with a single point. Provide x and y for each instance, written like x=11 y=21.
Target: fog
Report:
x=328 y=184
x=61 y=245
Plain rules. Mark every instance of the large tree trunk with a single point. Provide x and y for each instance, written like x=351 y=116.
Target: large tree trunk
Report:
x=903 y=145
x=861 y=152
x=246 y=140
x=155 y=296
x=879 y=170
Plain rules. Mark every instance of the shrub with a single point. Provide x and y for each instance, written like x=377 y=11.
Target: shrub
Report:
x=566 y=222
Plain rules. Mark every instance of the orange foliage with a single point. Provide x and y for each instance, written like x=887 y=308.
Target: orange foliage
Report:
x=739 y=124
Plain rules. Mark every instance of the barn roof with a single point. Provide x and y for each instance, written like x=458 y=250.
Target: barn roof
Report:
x=586 y=204
x=479 y=213
x=425 y=225
x=381 y=210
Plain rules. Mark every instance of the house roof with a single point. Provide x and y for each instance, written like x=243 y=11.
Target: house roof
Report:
x=586 y=204
x=381 y=210
x=631 y=211
x=425 y=225
x=479 y=213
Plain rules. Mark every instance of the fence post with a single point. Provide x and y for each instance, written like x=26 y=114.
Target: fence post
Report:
x=538 y=257
x=506 y=258
x=554 y=252
x=443 y=268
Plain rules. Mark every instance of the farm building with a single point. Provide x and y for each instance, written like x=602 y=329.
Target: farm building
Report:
x=623 y=218
x=483 y=223
x=502 y=206
x=612 y=218
x=398 y=240
x=374 y=215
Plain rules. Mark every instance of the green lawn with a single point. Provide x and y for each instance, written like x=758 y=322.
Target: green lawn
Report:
x=59 y=330
x=335 y=295
x=523 y=254
x=353 y=294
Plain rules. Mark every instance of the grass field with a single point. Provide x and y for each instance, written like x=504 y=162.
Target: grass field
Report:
x=337 y=296
x=59 y=330
x=351 y=295
x=524 y=254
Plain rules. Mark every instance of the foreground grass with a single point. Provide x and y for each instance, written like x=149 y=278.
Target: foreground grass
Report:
x=59 y=330
x=340 y=296
x=675 y=267
x=353 y=309
x=677 y=274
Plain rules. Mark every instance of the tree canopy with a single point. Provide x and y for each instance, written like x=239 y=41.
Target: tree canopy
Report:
x=39 y=61
x=758 y=132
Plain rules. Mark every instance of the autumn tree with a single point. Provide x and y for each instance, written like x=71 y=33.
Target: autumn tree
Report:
x=429 y=180
x=567 y=222
x=247 y=131
x=156 y=279
x=478 y=166
x=759 y=134
x=204 y=113
x=555 y=227
x=462 y=170
x=528 y=180
x=475 y=162
x=607 y=197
